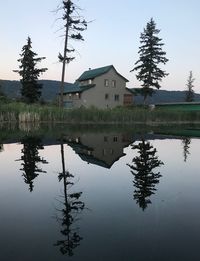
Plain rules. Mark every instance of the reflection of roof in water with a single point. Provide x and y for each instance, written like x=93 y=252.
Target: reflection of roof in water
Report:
x=91 y=159
x=79 y=147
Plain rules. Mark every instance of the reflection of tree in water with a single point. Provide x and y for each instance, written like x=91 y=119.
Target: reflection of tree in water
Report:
x=71 y=207
x=1 y=147
x=142 y=169
x=30 y=159
x=186 y=146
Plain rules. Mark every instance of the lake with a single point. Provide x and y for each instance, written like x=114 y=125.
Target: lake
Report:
x=99 y=193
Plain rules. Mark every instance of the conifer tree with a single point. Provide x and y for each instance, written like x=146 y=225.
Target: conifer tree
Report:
x=31 y=89
x=2 y=94
x=30 y=157
x=1 y=147
x=3 y=97
x=74 y=25
x=150 y=56
x=190 y=93
x=145 y=178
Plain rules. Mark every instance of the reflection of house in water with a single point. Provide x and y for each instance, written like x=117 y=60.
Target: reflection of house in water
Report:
x=101 y=149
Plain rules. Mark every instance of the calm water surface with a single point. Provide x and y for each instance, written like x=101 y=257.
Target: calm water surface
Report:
x=99 y=195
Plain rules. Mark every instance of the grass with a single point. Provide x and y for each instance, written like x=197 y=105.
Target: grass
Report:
x=23 y=113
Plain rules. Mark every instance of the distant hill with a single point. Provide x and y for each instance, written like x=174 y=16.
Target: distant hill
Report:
x=162 y=96
x=51 y=89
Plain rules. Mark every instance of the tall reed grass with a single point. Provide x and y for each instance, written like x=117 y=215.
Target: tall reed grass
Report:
x=20 y=112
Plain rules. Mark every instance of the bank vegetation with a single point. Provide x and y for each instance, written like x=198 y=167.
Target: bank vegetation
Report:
x=21 y=112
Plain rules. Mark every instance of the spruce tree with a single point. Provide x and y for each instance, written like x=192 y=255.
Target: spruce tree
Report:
x=150 y=56
x=3 y=97
x=2 y=94
x=145 y=178
x=31 y=89
x=74 y=25
x=190 y=93
x=1 y=147
x=31 y=159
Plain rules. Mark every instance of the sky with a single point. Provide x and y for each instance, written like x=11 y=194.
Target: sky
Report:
x=112 y=37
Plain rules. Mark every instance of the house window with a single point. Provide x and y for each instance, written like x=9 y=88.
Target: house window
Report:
x=82 y=83
x=77 y=140
x=70 y=96
x=113 y=83
x=78 y=95
x=90 y=81
x=89 y=153
x=106 y=82
x=115 y=139
x=106 y=96
x=116 y=97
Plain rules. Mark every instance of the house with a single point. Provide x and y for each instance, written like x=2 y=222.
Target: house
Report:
x=102 y=87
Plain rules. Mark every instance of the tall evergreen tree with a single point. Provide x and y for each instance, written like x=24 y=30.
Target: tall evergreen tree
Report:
x=3 y=97
x=145 y=178
x=31 y=89
x=74 y=24
x=2 y=94
x=1 y=147
x=190 y=93
x=150 y=56
x=30 y=157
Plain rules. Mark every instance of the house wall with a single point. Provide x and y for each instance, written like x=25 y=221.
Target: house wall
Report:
x=72 y=100
x=97 y=96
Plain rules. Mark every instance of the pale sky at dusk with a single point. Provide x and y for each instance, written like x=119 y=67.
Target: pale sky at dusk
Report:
x=112 y=37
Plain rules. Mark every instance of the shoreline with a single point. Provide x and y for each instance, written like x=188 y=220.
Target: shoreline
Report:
x=23 y=113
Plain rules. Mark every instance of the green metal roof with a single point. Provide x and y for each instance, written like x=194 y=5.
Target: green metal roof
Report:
x=177 y=103
x=70 y=88
x=91 y=74
x=75 y=88
x=179 y=106
x=130 y=90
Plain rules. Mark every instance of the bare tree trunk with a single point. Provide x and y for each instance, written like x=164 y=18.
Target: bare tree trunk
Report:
x=145 y=100
x=63 y=169
x=64 y=63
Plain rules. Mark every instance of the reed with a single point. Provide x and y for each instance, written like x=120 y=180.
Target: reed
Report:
x=23 y=113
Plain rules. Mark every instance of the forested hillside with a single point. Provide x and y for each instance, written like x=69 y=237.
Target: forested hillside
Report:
x=51 y=89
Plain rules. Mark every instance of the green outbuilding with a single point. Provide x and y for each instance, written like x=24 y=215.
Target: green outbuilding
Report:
x=178 y=106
